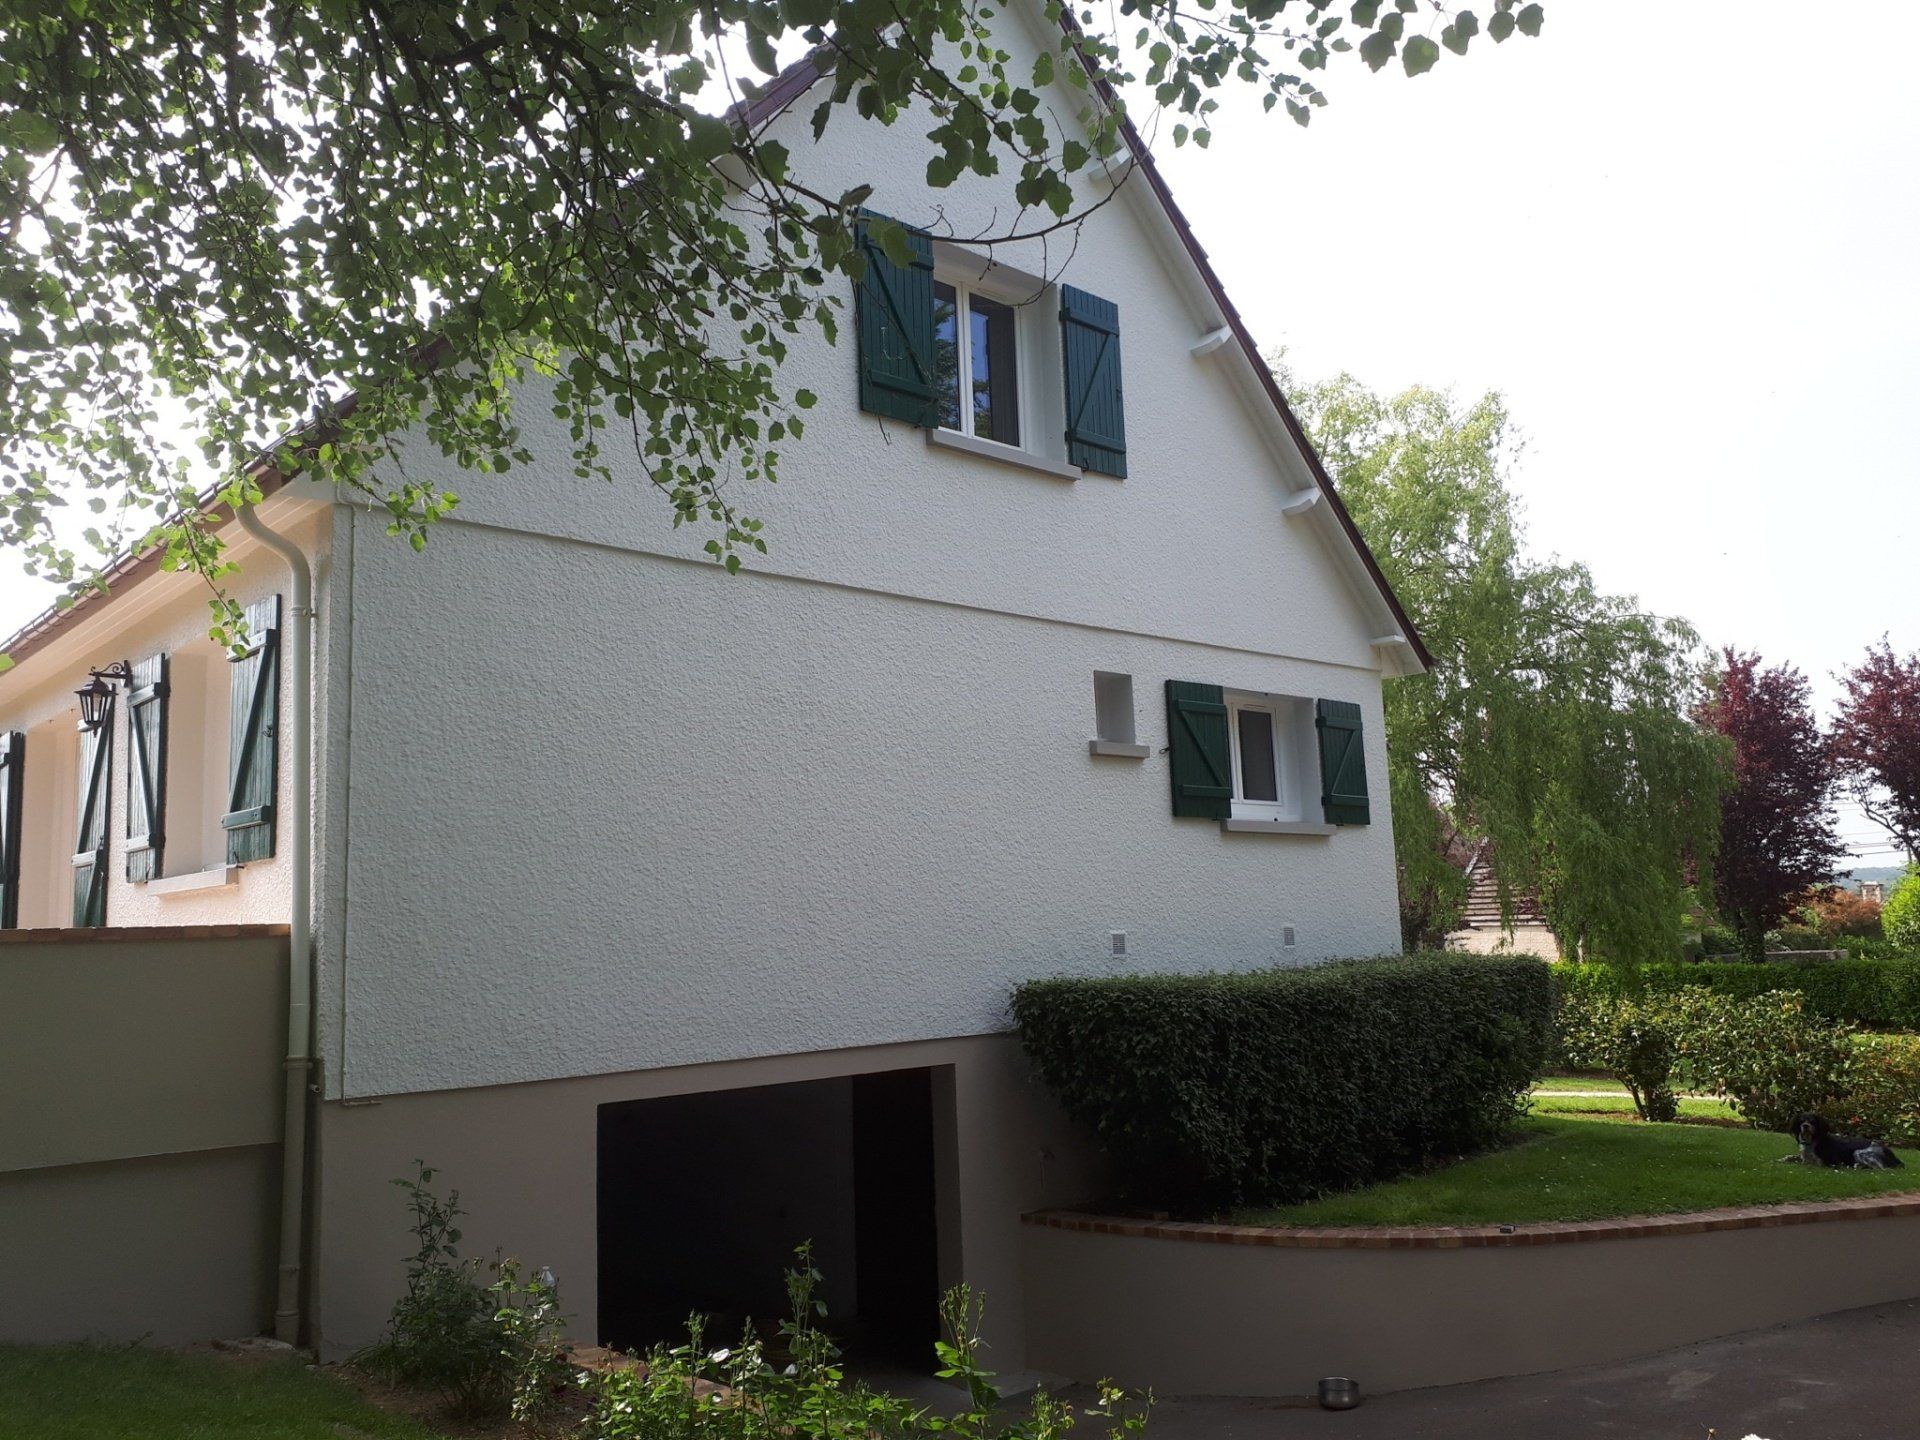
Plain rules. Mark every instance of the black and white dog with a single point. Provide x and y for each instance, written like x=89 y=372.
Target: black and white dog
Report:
x=1820 y=1146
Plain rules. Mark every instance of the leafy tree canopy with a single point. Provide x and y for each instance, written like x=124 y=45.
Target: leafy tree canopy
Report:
x=241 y=211
x=1877 y=734
x=1777 y=836
x=1555 y=721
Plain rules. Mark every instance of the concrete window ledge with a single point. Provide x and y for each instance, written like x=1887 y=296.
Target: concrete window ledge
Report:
x=1119 y=749
x=1004 y=454
x=214 y=879
x=1277 y=827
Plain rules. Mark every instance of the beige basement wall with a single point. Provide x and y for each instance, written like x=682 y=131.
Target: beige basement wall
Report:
x=139 y=1143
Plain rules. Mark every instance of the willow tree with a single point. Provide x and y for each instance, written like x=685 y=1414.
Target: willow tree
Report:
x=1555 y=720
x=220 y=217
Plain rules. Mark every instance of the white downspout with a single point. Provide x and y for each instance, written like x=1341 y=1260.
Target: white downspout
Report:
x=287 y=1310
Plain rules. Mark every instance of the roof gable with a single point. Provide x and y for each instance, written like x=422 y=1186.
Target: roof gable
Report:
x=797 y=79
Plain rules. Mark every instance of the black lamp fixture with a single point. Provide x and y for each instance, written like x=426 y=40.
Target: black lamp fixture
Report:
x=96 y=696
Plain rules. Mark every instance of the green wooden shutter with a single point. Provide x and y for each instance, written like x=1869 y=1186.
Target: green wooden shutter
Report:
x=90 y=837
x=894 y=317
x=13 y=750
x=1343 y=763
x=253 y=767
x=146 y=768
x=1096 y=401
x=1197 y=745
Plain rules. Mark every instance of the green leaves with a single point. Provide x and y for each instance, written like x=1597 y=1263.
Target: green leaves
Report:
x=241 y=215
x=1556 y=723
x=1377 y=49
x=1460 y=31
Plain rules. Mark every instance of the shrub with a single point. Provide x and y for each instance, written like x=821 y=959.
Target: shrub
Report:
x=1633 y=1038
x=1271 y=1086
x=1900 y=916
x=1883 y=1088
x=1798 y=937
x=490 y=1348
x=1767 y=1055
x=1839 y=913
x=736 y=1392
x=1883 y=994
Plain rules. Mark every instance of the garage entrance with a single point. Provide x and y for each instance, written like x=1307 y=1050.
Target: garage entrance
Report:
x=702 y=1199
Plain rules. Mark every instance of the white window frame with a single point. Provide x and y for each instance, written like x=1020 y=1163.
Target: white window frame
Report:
x=1282 y=714
x=963 y=293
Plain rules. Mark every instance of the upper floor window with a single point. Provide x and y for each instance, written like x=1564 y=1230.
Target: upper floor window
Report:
x=976 y=363
x=1024 y=369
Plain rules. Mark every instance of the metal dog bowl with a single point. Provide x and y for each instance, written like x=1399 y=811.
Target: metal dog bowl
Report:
x=1337 y=1392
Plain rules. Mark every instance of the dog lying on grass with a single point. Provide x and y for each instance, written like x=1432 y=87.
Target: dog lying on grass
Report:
x=1820 y=1146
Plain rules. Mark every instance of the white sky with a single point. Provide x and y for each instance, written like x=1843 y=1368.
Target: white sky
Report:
x=1680 y=236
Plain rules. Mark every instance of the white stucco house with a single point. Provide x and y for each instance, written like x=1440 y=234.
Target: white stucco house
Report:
x=673 y=915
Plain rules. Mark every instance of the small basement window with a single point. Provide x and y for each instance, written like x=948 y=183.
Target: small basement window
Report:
x=1113 y=725
x=1113 y=706
x=1268 y=735
x=976 y=349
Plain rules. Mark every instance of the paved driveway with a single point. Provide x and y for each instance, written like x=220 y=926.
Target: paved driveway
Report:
x=1851 y=1376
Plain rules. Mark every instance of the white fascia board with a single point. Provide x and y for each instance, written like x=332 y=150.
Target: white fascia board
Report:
x=1296 y=475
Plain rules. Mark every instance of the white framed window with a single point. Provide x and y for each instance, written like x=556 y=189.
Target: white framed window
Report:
x=977 y=363
x=1264 y=733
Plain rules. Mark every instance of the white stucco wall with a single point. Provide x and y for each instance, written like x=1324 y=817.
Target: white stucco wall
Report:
x=161 y=613
x=604 y=808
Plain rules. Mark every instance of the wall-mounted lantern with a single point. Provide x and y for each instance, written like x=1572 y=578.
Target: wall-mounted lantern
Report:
x=96 y=696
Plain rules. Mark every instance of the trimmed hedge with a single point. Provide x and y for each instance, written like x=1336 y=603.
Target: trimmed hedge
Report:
x=1883 y=994
x=1271 y=1086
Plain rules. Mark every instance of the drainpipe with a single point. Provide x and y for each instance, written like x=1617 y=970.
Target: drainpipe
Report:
x=287 y=1308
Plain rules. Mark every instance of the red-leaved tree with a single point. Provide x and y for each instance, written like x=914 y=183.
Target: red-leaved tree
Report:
x=1777 y=833
x=1877 y=739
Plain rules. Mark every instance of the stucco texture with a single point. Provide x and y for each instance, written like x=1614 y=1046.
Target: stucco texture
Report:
x=612 y=811
x=604 y=807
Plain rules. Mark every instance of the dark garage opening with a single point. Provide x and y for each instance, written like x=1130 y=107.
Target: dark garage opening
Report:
x=702 y=1199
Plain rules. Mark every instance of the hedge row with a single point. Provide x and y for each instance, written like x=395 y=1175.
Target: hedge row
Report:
x=1883 y=994
x=1271 y=1086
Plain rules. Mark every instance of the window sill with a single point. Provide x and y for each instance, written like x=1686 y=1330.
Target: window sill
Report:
x=217 y=878
x=1005 y=454
x=1277 y=827
x=1119 y=749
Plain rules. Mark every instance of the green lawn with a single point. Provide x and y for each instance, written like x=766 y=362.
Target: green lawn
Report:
x=85 y=1393
x=1592 y=1167
x=1548 y=1102
x=1579 y=1082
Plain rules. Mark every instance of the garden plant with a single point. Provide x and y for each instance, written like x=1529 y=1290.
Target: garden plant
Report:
x=1260 y=1087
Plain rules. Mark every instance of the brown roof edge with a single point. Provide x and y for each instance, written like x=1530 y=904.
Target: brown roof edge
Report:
x=137 y=565
x=1143 y=157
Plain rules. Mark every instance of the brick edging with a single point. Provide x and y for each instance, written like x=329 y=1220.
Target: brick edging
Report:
x=1459 y=1237
x=108 y=934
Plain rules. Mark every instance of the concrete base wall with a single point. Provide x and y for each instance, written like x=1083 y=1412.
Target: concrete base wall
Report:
x=523 y=1158
x=141 y=1088
x=1219 y=1319
x=170 y=1249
